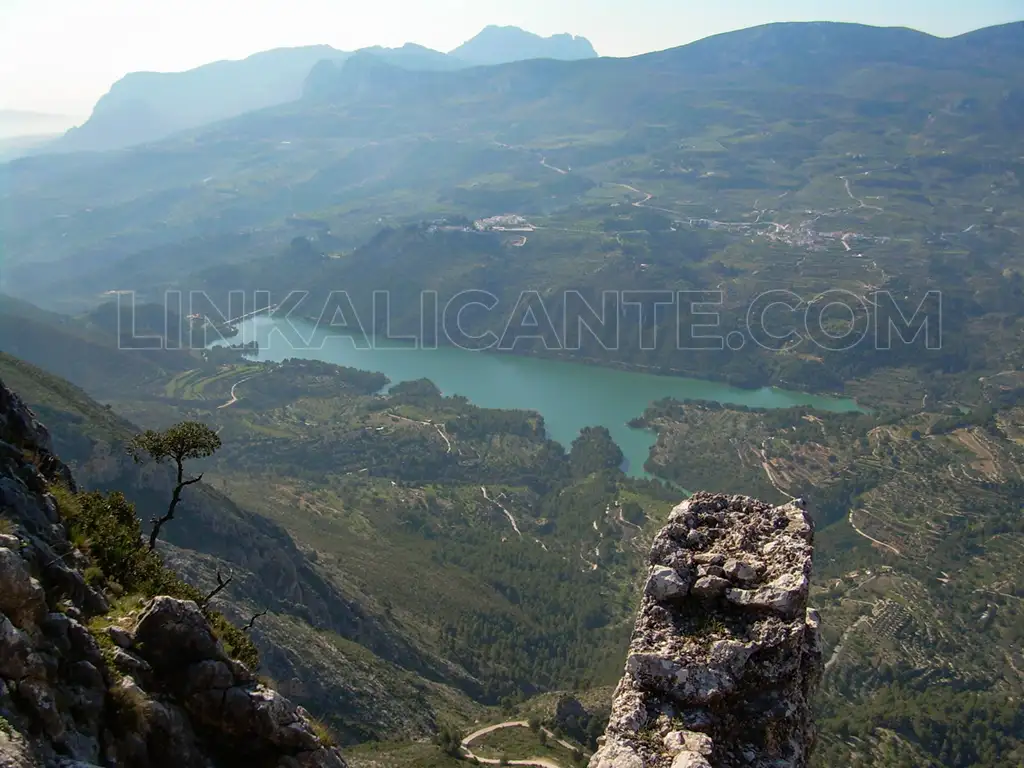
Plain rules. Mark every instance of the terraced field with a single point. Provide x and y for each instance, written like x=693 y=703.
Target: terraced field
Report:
x=920 y=562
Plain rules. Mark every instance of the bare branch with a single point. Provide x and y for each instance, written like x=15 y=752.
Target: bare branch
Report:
x=252 y=621
x=221 y=584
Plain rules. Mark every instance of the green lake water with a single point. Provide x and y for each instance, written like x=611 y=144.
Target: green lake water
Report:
x=569 y=396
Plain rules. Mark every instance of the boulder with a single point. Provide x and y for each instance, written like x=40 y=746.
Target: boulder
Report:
x=122 y=637
x=172 y=634
x=710 y=587
x=21 y=597
x=742 y=572
x=690 y=760
x=666 y=584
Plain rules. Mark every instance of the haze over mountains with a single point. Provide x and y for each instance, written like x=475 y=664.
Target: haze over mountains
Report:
x=19 y=123
x=146 y=106
x=20 y=131
x=879 y=166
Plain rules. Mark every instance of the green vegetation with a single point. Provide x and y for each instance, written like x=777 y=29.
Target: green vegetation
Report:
x=323 y=732
x=107 y=529
x=401 y=755
x=129 y=706
x=827 y=161
x=594 y=451
x=955 y=728
x=532 y=581
x=522 y=743
x=918 y=567
x=449 y=740
x=180 y=443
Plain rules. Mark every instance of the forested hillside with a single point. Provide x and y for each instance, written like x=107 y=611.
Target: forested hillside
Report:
x=826 y=208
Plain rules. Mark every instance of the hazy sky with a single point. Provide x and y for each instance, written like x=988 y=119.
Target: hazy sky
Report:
x=61 y=55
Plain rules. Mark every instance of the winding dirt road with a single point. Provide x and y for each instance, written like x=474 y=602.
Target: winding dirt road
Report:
x=842 y=641
x=871 y=539
x=540 y=762
x=544 y=162
x=234 y=397
x=856 y=199
x=515 y=525
x=439 y=427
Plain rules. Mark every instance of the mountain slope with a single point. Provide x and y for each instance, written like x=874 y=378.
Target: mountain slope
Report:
x=500 y=45
x=92 y=350
x=146 y=106
x=854 y=157
x=331 y=152
x=693 y=168
x=106 y=657
x=355 y=648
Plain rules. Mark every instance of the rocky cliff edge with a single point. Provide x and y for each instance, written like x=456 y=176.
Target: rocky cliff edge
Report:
x=80 y=687
x=725 y=654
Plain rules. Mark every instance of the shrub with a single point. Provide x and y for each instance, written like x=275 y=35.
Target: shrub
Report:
x=323 y=732
x=94 y=576
x=107 y=529
x=449 y=740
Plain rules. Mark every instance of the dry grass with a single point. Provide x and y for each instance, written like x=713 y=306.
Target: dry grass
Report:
x=323 y=732
x=131 y=708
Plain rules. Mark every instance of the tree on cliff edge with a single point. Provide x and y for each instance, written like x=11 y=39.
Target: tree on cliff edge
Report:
x=184 y=441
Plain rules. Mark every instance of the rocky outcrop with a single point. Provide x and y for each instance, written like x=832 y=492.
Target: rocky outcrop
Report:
x=725 y=654
x=155 y=688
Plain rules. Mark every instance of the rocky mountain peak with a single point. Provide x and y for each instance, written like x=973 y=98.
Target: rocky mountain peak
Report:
x=499 y=45
x=725 y=654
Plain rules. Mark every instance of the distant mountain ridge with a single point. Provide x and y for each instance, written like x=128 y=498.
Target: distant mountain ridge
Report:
x=500 y=45
x=148 y=106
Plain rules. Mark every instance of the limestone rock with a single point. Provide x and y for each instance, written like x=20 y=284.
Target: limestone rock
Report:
x=691 y=660
x=690 y=760
x=742 y=572
x=615 y=755
x=174 y=633
x=666 y=584
x=16 y=751
x=15 y=651
x=130 y=664
x=786 y=596
x=184 y=704
x=122 y=637
x=688 y=741
x=710 y=587
x=21 y=597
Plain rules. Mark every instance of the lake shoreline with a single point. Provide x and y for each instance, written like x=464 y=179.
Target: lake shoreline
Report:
x=567 y=393
x=617 y=365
